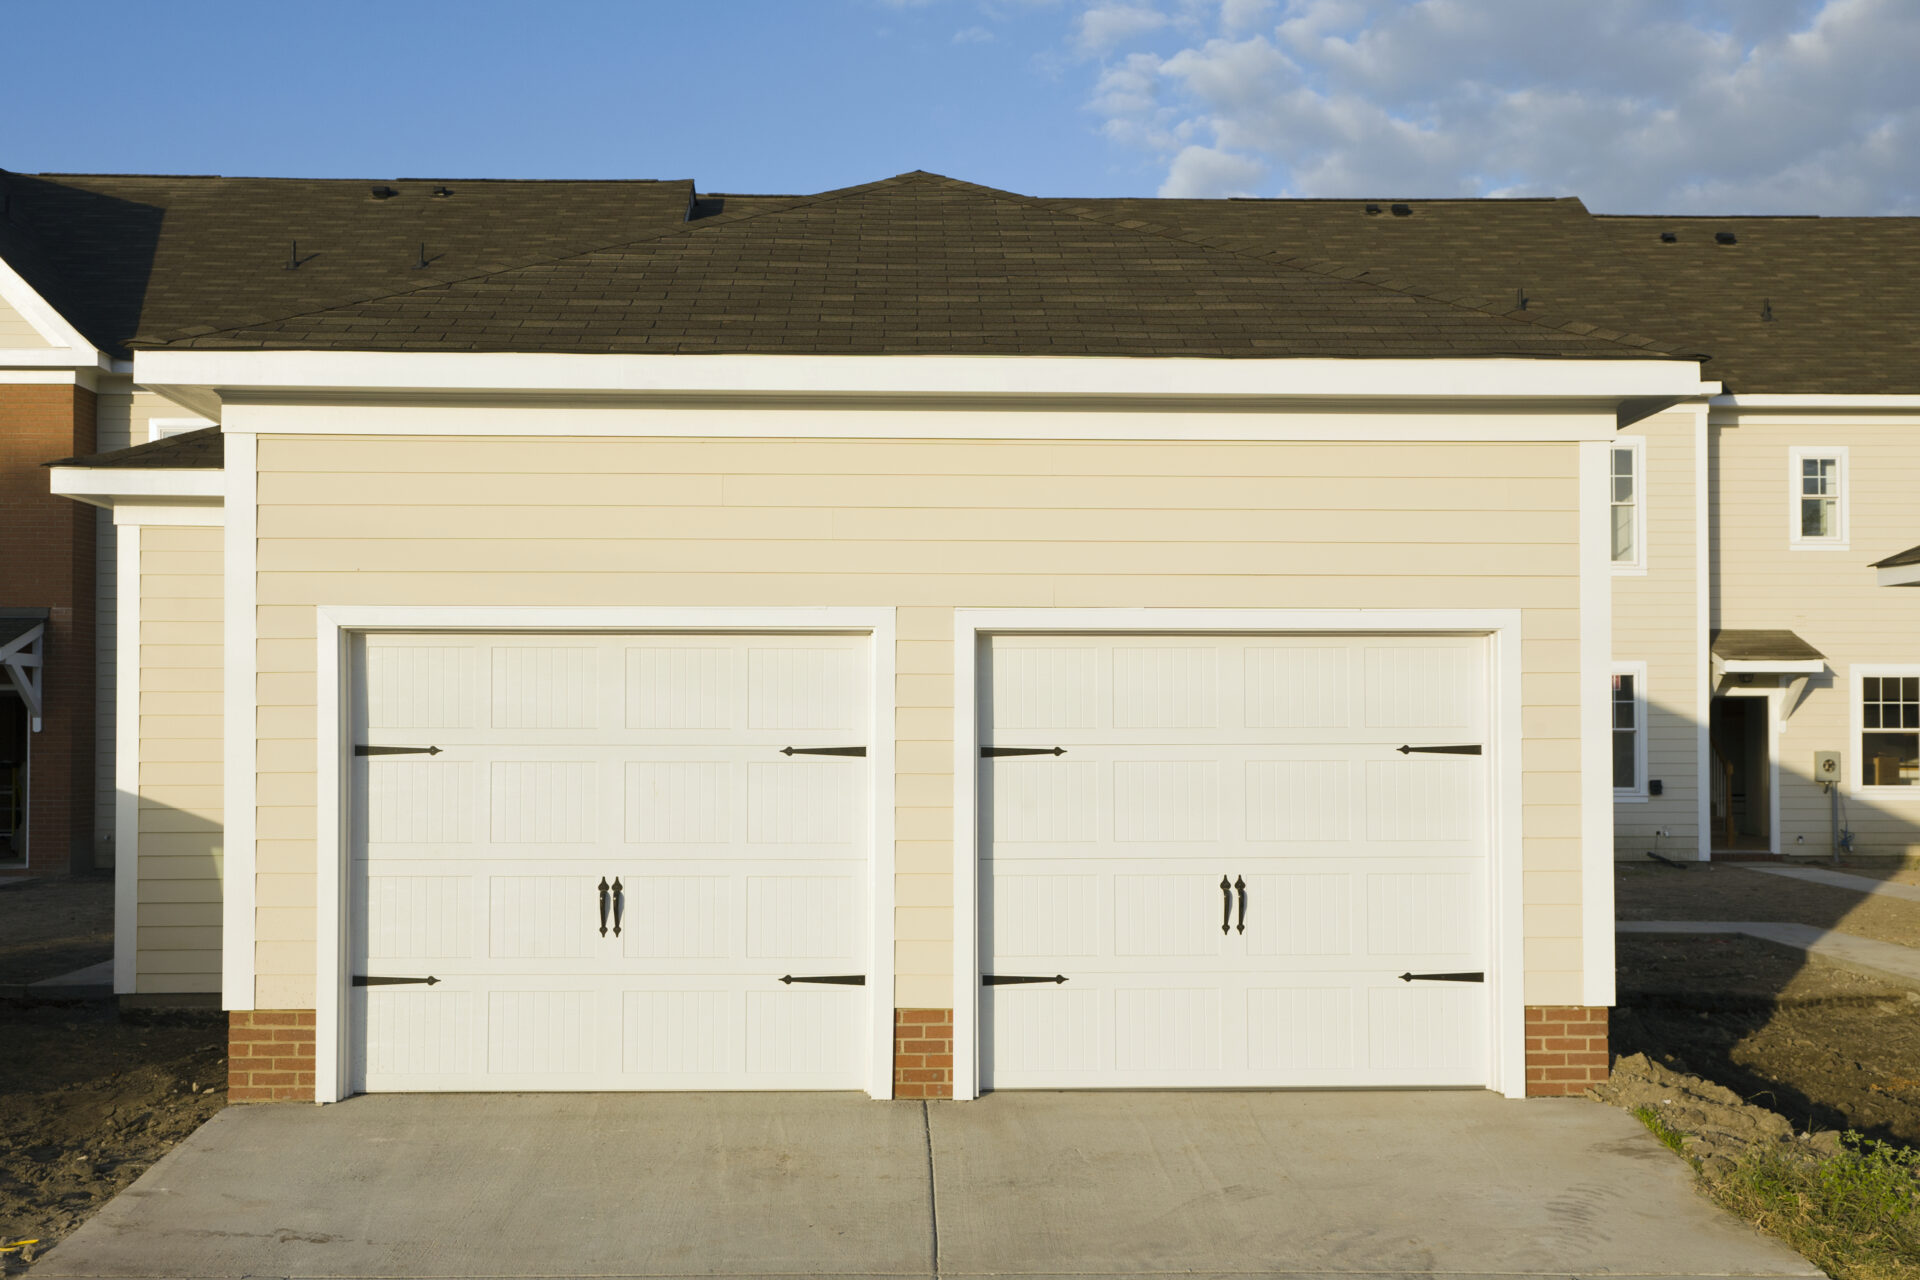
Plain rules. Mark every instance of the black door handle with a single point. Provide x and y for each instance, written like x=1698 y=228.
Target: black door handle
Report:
x=619 y=905
x=1240 y=886
x=603 y=906
x=1226 y=904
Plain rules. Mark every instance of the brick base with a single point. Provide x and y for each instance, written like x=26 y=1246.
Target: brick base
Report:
x=1566 y=1049
x=270 y=1055
x=923 y=1053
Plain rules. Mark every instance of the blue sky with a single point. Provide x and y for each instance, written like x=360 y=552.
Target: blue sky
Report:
x=1635 y=105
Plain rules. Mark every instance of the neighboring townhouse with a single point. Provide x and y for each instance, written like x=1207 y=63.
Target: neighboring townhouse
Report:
x=924 y=639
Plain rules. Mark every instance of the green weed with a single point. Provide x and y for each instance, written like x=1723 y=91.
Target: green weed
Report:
x=1669 y=1136
x=1856 y=1215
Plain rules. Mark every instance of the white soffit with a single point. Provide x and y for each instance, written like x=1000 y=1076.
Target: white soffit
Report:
x=1542 y=387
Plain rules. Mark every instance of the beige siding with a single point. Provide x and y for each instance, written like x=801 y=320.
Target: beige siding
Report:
x=1829 y=598
x=16 y=332
x=1655 y=621
x=925 y=527
x=178 y=945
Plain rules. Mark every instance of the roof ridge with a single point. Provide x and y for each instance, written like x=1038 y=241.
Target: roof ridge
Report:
x=684 y=228
x=1367 y=275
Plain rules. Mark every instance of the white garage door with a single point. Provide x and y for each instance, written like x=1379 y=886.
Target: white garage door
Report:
x=602 y=852
x=1231 y=873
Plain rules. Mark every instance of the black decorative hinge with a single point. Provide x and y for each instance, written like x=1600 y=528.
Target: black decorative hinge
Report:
x=1016 y=979
x=1443 y=977
x=1023 y=751
x=832 y=979
x=823 y=751
x=1465 y=749
x=364 y=750
x=363 y=980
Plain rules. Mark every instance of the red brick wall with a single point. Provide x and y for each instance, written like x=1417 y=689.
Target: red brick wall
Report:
x=923 y=1053
x=1566 y=1049
x=49 y=548
x=270 y=1055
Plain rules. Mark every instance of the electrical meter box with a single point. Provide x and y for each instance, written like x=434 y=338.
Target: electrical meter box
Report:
x=1826 y=766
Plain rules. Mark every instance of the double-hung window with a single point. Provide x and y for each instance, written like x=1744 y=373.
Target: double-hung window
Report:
x=1817 y=499
x=1627 y=507
x=1629 y=730
x=1889 y=717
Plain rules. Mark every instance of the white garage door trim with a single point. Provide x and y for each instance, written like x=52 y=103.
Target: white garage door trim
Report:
x=335 y=626
x=1502 y=627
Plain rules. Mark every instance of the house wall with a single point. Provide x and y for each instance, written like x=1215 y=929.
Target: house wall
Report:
x=48 y=544
x=179 y=842
x=16 y=332
x=1829 y=597
x=925 y=526
x=1655 y=621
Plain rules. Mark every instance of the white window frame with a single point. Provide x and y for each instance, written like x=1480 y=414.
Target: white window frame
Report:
x=1842 y=515
x=1637 y=793
x=1856 y=726
x=1637 y=564
x=162 y=428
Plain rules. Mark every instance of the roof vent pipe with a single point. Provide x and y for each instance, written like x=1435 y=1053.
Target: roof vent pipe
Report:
x=1766 y=309
x=1373 y=210
x=1725 y=237
x=1519 y=299
x=1668 y=237
x=1402 y=210
x=384 y=193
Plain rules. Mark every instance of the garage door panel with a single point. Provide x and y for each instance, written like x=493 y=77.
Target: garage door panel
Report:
x=650 y=762
x=1274 y=762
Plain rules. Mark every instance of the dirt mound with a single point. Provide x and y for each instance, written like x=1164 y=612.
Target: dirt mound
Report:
x=1716 y=1127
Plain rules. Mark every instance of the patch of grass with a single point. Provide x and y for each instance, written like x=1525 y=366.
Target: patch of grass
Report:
x=1670 y=1137
x=1855 y=1215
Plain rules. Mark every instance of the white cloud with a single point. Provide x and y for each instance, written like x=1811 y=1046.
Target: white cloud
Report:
x=972 y=35
x=1207 y=171
x=1104 y=26
x=1642 y=105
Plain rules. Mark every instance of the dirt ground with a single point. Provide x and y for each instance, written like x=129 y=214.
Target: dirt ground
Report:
x=1728 y=891
x=1823 y=1047
x=89 y=1096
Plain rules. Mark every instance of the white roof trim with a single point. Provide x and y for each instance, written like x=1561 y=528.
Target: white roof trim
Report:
x=1885 y=403
x=1771 y=666
x=101 y=486
x=47 y=322
x=1899 y=575
x=738 y=376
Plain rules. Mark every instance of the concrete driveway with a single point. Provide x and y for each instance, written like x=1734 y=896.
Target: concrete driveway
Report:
x=1031 y=1185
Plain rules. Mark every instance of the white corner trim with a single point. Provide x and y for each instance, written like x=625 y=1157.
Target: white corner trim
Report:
x=1702 y=639
x=738 y=375
x=240 y=713
x=126 y=762
x=335 y=626
x=46 y=321
x=1507 y=959
x=137 y=482
x=1596 y=732
x=1796 y=454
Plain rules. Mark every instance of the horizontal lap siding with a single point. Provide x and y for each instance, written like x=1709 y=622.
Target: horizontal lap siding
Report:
x=180 y=842
x=1655 y=621
x=925 y=527
x=1830 y=598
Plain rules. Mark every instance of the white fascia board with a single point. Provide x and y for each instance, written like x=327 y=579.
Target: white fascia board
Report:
x=1894 y=404
x=1772 y=666
x=1900 y=575
x=967 y=376
x=101 y=486
x=23 y=358
x=46 y=321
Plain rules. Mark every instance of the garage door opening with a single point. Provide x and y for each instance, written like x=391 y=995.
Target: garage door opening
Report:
x=1234 y=861
x=608 y=861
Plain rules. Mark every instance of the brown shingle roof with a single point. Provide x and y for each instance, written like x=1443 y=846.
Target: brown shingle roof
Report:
x=1842 y=292
x=121 y=254
x=204 y=449
x=925 y=264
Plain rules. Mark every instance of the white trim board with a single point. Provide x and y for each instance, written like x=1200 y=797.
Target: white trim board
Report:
x=240 y=712
x=1702 y=639
x=1507 y=968
x=1596 y=731
x=126 y=763
x=46 y=321
x=108 y=483
x=335 y=625
x=1558 y=381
